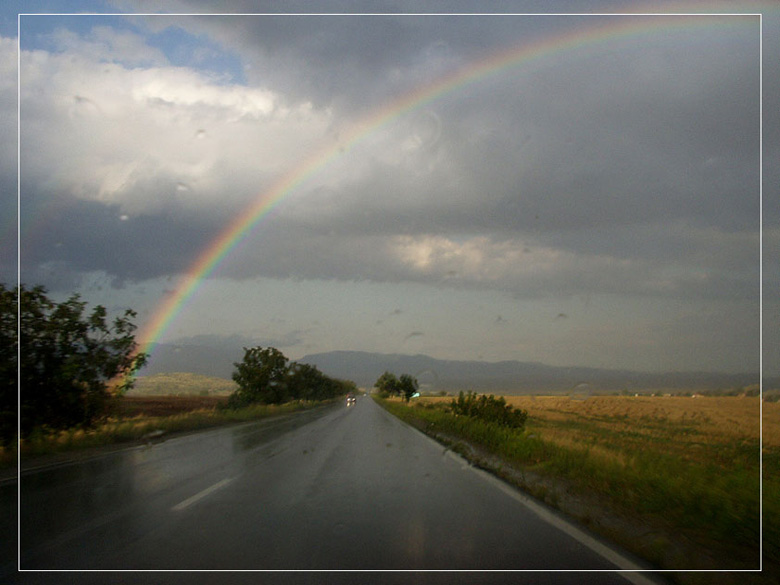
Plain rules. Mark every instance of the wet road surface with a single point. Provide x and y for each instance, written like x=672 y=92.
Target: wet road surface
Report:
x=338 y=488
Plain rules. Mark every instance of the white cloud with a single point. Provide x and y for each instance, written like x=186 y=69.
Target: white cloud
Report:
x=512 y=265
x=185 y=89
x=474 y=259
x=528 y=268
x=145 y=138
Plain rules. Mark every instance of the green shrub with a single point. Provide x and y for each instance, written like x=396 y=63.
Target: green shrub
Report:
x=490 y=409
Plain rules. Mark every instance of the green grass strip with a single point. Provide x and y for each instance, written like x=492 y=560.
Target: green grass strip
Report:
x=43 y=442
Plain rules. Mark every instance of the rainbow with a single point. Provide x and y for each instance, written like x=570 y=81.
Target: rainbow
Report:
x=616 y=27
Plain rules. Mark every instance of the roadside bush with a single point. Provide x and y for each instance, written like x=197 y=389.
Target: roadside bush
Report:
x=489 y=409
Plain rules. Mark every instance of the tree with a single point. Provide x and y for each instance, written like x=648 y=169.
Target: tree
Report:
x=342 y=387
x=265 y=377
x=407 y=386
x=68 y=359
x=306 y=382
x=261 y=377
x=387 y=383
x=8 y=363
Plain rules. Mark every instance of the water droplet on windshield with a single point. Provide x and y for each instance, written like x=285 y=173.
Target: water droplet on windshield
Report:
x=181 y=187
x=428 y=381
x=124 y=217
x=83 y=106
x=428 y=129
x=581 y=391
x=413 y=334
x=200 y=134
x=438 y=52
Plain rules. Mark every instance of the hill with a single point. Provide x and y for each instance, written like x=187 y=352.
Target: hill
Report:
x=514 y=377
x=214 y=358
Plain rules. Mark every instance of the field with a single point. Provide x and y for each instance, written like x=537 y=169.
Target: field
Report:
x=181 y=384
x=133 y=406
x=685 y=472
x=714 y=417
x=704 y=430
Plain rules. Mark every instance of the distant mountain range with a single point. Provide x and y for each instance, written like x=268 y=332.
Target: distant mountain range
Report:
x=434 y=375
x=513 y=377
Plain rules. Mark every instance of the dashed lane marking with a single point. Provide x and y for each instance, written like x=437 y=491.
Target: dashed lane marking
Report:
x=200 y=495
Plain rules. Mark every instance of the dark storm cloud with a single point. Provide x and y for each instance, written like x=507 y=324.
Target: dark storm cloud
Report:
x=612 y=154
x=92 y=236
x=8 y=213
x=600 y=144
x=609 y=191
x=353 y=60
x=237 y=342
x=521 y=269
x=625 y=168
x=8 y=163
x=771 y=199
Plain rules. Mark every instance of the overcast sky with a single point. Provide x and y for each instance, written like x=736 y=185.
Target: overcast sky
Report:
x=598 y=205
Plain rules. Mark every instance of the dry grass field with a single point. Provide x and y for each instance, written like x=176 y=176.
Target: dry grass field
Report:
x=719 y=418
x=691 y=427
x=683 y=424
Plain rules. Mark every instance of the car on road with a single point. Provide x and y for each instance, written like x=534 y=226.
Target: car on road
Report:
x=351 y=399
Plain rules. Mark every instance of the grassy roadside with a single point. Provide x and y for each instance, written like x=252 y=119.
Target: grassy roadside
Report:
x=142 y=427
x=652 y=497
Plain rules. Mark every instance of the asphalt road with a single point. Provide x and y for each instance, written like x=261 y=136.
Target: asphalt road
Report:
x=340 y=488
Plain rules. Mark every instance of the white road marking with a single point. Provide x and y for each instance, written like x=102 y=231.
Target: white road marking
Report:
x=200 y=495
x=627 y=568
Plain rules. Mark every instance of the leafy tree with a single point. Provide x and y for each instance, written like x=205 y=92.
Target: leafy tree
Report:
x=404 y=386
x=266 y=377
x=344 y=386
x=68 y=359
x=8 y=363
x=261 y=377
x=306 y=382
x=387 y=383
x=407 y=386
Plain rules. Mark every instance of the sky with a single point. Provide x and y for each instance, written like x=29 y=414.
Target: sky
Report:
x=577 y=190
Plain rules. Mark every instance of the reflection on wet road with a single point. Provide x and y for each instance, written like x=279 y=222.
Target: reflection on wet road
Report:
x=336 y=488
